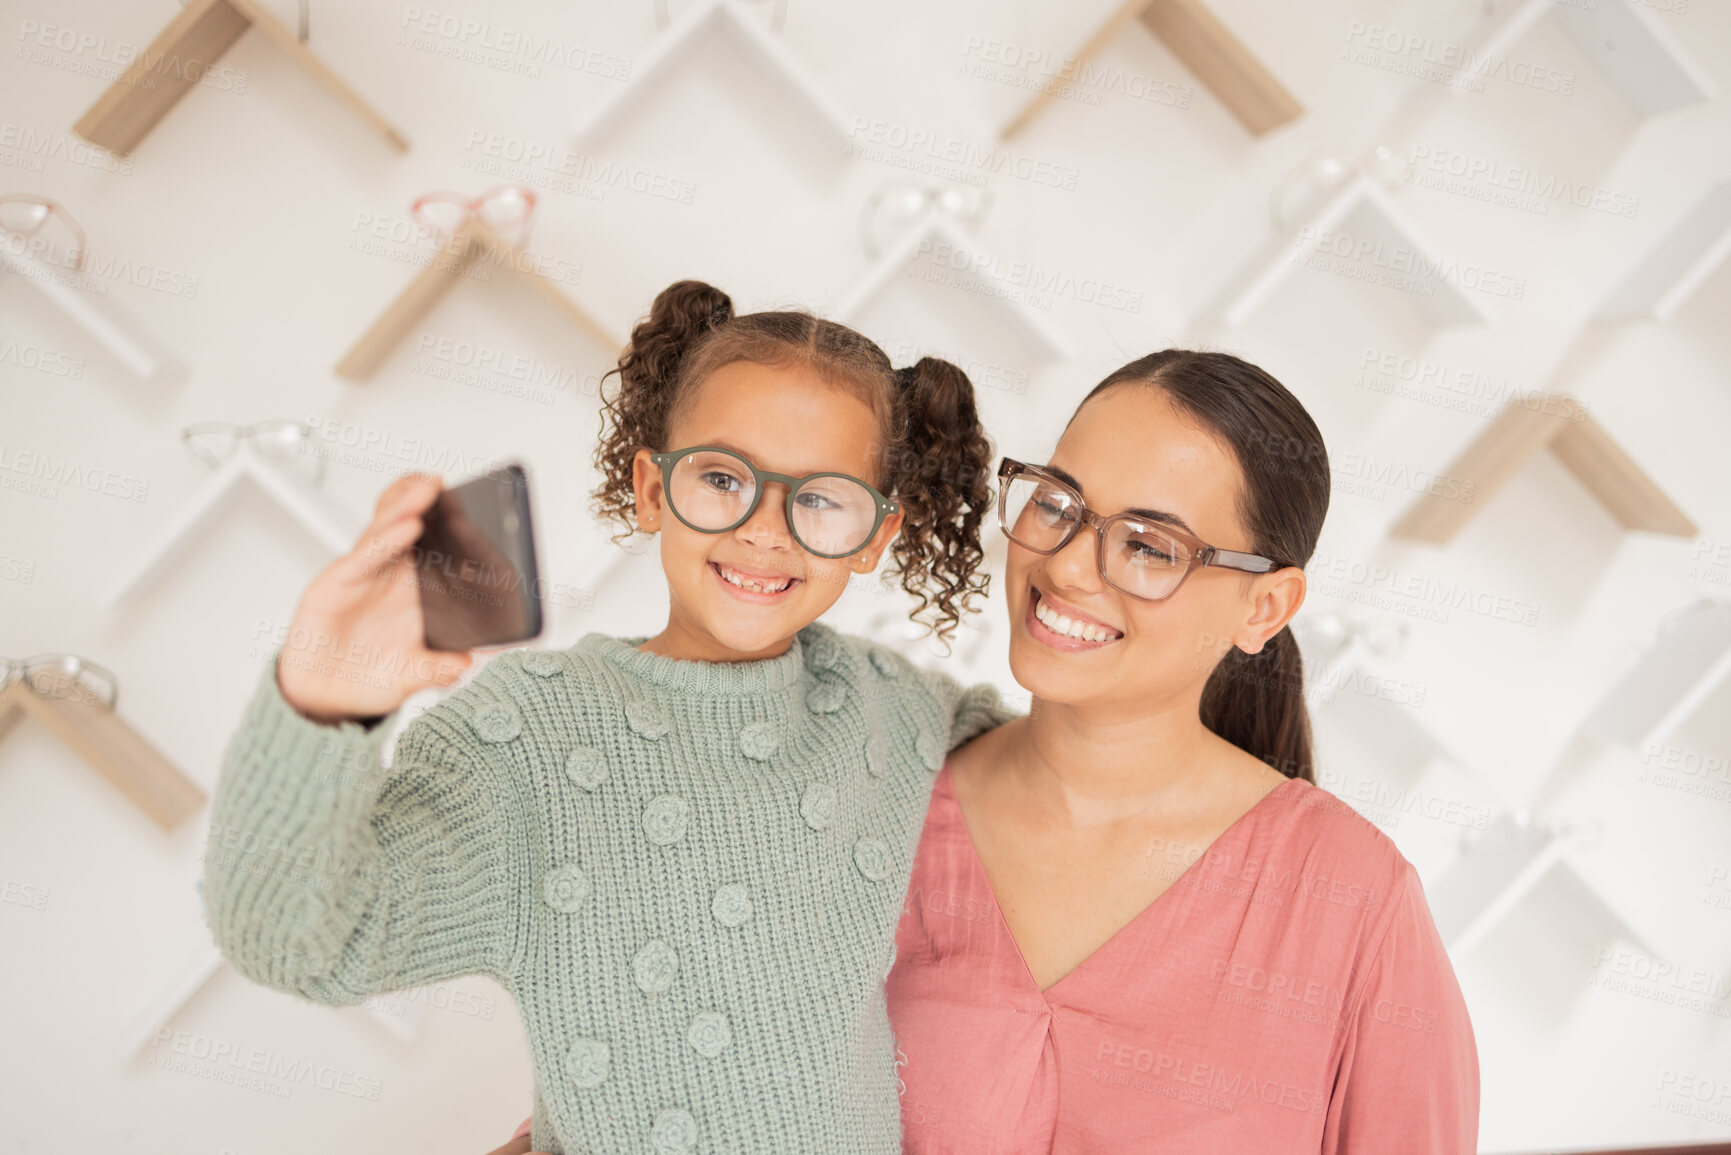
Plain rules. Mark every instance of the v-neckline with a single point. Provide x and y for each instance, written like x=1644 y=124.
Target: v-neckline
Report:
x=947 y=781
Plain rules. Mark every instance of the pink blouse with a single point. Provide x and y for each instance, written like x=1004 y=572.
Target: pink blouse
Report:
x=1287 y=993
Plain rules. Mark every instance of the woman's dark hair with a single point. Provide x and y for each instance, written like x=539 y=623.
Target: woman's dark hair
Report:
x=934 y=456
x=1255 y=701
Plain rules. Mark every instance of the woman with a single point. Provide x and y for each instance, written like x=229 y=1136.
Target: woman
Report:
x=1133 y=922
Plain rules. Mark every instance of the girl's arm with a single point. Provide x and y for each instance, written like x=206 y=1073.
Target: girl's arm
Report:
x=328 y=875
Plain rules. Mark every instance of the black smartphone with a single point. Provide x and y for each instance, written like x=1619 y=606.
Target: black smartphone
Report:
x=475 y=564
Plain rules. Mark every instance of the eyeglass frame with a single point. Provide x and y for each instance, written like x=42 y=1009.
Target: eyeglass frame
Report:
x=470 y=206
x=668 y=458
x=20 y=665
x=189 y=435
x=55 y=209
x=1201 y=553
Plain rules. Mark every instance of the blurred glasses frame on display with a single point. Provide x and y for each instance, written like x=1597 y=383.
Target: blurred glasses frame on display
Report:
x=61 y=676
x=1200 y=553
x=25 y=214
x=667 y=460
x=505 y=210
x=1308 y=184
x=894 y=208
x=215 y=442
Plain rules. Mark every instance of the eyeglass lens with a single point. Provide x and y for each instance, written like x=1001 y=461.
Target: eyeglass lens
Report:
x=1141 y=558
x=65 y=676
x=831 y=515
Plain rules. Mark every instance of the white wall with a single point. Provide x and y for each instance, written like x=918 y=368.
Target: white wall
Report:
x=268 y=198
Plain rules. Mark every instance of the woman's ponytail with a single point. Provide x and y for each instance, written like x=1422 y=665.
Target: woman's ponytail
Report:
x=636 y=415
x=940 y=469
x=1256 y=702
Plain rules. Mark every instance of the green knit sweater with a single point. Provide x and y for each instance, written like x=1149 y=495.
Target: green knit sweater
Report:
x=687 y=874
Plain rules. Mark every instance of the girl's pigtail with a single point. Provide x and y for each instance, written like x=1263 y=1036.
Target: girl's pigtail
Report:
x=635 y=416
x=940 y=472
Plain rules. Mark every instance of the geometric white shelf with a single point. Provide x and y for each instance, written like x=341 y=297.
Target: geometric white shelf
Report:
x=1688 y=255
x=124 y=338
x=1498 y=869
x=1688 y=658
x=706 y=19
x=1634 y=51
x=933 y=227
x=1364 y=212
x=335 y=529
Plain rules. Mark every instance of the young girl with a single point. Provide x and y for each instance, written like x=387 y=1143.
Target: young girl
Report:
x=683 y=856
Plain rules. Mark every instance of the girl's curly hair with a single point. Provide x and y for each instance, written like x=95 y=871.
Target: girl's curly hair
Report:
x=934 y=456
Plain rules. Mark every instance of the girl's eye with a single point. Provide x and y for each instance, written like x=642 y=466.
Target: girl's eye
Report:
x=1049 y=508
x=719 y=481
x=817 y=502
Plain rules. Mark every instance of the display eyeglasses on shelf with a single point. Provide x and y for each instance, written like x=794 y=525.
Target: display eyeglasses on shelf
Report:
x=1205 y=46
x=245 y=453
x=74 y=698
x=162 y=74
x=472 y=238
x=28 y=250
x=703 y=20
x=893 y=210
x=24 y=216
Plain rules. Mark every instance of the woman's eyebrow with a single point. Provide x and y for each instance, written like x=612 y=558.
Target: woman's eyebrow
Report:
x=1159 y=515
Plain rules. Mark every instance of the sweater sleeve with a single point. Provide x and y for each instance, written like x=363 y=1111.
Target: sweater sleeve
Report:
x=328 y=875
x=1409 y=1070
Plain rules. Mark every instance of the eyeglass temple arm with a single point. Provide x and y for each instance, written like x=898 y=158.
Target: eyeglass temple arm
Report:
x=1233 y=559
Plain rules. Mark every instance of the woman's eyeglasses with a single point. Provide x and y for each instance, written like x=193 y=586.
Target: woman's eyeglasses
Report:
x=1136 y=555
x=713 y=490
x=63 y=676
x=24 y=215
x=215 y=442
x=505 y=210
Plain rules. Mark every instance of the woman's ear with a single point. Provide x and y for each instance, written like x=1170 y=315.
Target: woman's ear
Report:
x=866 y=559
x=1274 y=597
x=646 y=486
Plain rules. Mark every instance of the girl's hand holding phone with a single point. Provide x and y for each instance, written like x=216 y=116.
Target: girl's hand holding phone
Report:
x=356 y=647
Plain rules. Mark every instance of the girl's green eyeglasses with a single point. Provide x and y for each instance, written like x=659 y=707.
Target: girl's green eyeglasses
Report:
x=713 y=490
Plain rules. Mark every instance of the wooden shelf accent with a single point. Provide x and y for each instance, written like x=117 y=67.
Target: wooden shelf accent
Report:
x=122 y=337
x=1634 y=51
x=113 y=748
x=1694 y=248
x=1206 y=47
x=473 y=241
x=933 y=226
x=336 y=530
x=173 y=64
x=1580 y=443
x=705 y=19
